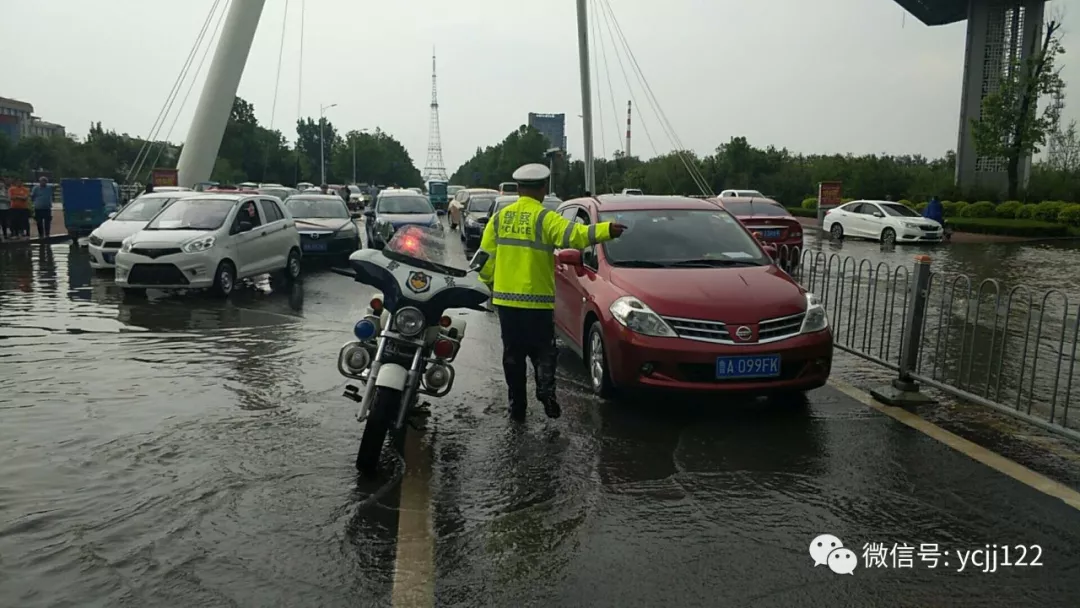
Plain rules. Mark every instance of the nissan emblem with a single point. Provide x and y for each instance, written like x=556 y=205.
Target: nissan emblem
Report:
x=744 y=333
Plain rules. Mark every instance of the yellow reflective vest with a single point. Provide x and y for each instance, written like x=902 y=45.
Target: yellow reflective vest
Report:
x=520 y=241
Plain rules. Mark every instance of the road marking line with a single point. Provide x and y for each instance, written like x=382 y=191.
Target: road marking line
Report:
x=414 y=565
x=995 y=461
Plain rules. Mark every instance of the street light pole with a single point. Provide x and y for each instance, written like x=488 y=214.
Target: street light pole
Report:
x=322 y=141
x=354 y=155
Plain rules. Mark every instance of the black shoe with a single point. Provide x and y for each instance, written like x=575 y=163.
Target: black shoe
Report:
x=551 y=408
x=517 y=413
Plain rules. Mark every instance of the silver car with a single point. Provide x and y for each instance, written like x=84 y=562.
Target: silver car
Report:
x=211 y=241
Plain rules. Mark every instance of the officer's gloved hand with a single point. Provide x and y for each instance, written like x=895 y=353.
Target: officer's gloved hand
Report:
x=616 y=230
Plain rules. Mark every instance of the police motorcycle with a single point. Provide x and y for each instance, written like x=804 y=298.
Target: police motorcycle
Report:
x=405 y=343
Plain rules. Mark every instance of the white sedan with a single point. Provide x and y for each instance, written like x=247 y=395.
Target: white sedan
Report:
x=106 y=239
x=883 y=221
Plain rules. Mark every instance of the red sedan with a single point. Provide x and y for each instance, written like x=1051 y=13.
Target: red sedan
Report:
x=775 y=224
x=686 y=299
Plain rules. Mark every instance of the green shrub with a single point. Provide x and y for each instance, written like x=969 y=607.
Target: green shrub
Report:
x=980 y=209
x=1048 y=211
x=1070 y=215
x=922 y=206
x=954 y=209
x=907 y=203
x=1003 y=227
x=1008 y=210
x=1026 y=212
x=810 y=203
x=845 y=201
x=802 y=212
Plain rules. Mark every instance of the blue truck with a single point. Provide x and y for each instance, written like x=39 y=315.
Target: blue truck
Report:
x=88 y=203
x=437 y=194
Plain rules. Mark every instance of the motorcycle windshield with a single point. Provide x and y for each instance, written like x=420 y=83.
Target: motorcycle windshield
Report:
x=422 y=247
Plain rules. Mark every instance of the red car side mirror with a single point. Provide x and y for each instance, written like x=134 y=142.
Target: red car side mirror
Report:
x=570 y=257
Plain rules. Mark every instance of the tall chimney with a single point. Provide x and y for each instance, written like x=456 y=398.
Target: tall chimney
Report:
x=628 y=128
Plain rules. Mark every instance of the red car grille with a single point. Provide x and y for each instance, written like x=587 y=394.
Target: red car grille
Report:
x=769 y=330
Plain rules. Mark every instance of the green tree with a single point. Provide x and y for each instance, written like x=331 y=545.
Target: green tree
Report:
x=497 y=163
x=380 y=159
x=1011 y=125
x=309 y=144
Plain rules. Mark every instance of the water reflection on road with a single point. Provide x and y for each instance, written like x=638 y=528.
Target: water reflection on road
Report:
x=195 y=452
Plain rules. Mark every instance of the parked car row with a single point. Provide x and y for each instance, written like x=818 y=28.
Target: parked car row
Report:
x=215 y=238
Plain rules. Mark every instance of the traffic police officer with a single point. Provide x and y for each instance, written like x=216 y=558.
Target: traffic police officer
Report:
x=516 y=259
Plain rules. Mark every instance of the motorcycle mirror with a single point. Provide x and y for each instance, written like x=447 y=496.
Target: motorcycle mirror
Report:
x=479 y=260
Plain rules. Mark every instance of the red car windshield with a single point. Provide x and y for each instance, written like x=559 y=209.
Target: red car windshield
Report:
x=681 y=237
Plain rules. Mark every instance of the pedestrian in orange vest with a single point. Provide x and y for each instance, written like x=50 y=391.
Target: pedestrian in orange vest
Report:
x=19 y=216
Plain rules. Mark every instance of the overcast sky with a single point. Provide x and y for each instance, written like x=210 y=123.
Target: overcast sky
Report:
x=811 y=75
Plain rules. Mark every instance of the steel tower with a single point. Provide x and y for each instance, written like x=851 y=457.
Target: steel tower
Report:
x=434 y=167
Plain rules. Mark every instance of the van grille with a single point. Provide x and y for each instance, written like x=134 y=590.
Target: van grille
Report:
x=156 y=274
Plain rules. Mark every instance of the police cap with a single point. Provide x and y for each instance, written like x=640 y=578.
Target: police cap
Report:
x=533 y=174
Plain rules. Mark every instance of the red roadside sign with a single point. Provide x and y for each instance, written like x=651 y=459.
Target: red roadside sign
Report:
x=829 y=194
x=165 y=177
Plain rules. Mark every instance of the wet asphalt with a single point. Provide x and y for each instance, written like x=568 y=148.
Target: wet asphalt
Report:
x=184 y=451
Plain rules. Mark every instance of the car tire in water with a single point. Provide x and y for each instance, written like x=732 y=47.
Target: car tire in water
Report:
x=837 y=231
x=381 y=417
x=225 y=279
x=597 y=363
x=888 y=237
x=292 y=266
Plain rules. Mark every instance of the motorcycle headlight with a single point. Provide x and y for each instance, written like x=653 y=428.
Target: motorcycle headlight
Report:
x=409 y=321
x=639 y=318
x=125 y=246
x=199 y=244
x=815 y=319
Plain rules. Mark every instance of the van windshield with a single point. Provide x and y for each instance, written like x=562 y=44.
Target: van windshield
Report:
x=193 y=214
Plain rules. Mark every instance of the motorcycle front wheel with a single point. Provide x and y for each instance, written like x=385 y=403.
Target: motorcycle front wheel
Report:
x=381 y=418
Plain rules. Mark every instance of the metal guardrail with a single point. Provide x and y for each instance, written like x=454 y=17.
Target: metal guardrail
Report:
x=1014 y=350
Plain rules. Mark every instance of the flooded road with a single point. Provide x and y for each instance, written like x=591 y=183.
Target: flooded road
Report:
x=185 y=451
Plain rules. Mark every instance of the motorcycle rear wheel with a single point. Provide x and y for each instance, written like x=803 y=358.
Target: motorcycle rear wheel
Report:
x=381 y=419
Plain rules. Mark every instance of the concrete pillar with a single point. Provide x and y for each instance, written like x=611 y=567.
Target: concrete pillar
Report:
x=215 y=103
x=996 y=31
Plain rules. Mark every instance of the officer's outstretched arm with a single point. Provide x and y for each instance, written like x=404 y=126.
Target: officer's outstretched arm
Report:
x=564 y=234
x=484 y=259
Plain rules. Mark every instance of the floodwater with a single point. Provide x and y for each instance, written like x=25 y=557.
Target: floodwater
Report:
x=185 y=451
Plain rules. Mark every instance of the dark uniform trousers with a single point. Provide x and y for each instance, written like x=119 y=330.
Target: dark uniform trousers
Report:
x=528 y=332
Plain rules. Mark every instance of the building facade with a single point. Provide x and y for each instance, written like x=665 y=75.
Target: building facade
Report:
x=17 y=120
x=552 y=126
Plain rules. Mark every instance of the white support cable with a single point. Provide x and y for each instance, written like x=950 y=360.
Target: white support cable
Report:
x=599 y=98
x=669 y=129
x=630 y=90
x=277 y=87
x=194 y=79
x=140 y=158
x=680 y=149
x=607 y=73
x=300 y=91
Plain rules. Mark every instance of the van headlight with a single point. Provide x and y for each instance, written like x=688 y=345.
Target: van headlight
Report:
x=198 y=245
x=815 y=319
x=639 y=318
x=125 y=246
x=409 y=321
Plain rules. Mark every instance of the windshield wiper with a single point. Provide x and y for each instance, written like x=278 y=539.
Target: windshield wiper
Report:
x=712 y=263
x=639 y=264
